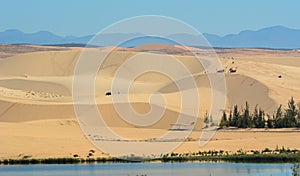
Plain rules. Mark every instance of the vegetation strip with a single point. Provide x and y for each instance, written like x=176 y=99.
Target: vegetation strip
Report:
x=265 y=156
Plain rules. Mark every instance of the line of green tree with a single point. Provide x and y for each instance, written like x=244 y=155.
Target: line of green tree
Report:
x=283 y=118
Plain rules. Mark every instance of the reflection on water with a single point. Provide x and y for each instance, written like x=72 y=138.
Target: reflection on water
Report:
x=150 y=169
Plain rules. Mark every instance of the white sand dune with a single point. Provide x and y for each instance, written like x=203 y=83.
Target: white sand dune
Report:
x=35 y=86
x=37 y=116
x=50 y=63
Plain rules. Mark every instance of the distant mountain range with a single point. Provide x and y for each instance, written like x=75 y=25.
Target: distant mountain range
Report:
x=277 y=37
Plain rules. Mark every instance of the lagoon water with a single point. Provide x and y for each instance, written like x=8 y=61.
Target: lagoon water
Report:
x=150 y=169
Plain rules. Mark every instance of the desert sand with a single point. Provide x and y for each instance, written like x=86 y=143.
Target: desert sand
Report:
x=37 y=118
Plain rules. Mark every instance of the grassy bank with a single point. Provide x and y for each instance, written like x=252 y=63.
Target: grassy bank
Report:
x=265 y=156
x=60 y=161
x=253 y=158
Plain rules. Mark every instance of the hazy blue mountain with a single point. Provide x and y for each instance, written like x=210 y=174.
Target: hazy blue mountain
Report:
x=14 y=36
x=271 y=37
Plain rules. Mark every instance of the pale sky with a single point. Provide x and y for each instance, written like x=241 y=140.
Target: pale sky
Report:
x=70 y=17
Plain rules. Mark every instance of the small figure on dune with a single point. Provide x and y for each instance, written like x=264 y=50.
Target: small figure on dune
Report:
x=220 y=70
x=232 y=70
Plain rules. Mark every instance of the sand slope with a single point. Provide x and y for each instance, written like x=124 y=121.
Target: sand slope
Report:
x=36 y=109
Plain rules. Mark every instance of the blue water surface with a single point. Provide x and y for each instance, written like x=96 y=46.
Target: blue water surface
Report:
x=149 y=169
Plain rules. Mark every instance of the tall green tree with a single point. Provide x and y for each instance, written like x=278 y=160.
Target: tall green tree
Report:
x=258 y=118
x=261 y=118
x=235 y=116
x=290 y=114
x=255 y=117
x=245 y=120
x=230 y=120
x=224 y=121
x=278 y=121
